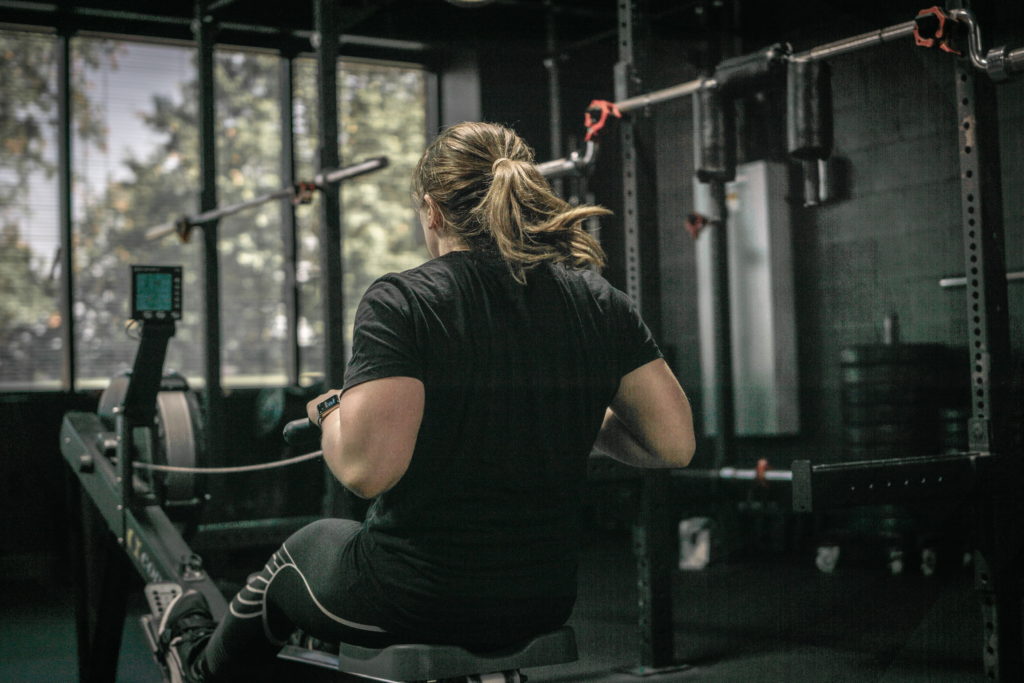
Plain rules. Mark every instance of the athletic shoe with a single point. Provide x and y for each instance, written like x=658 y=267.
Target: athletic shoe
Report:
x=185 y=628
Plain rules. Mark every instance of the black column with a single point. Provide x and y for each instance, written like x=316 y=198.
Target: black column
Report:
x=337 y=502
x=998 y=539
x=653 y=538
x=67 y=301
x=290 y=289
x=205 y=31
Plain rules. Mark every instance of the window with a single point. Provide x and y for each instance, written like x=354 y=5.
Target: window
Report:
x=136 y=167
x=30 y=318
x=382 y=112
x=253 y=329
x=135 y=162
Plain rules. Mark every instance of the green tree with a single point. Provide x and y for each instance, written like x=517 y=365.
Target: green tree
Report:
x=383 y=113
x=29 y=315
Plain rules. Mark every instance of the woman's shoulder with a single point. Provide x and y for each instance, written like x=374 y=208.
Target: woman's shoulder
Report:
x=594 y=284
x=431 y=278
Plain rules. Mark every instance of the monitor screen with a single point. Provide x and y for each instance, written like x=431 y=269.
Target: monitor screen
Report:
x=156 y=292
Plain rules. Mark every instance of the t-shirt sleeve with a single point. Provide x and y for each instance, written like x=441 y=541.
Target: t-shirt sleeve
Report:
x=384 y=337
x=636 y=343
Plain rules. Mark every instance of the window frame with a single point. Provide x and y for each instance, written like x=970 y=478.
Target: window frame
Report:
x=70 y=381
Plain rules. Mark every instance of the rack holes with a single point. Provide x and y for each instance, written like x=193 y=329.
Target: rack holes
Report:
x=971 y=234
x=970 y=221
x=969 y=173
x=974 y=283
x=970 y=209
x=980 y=393
x=970 y=197
x=963 y=78
x=975 y=307
x=972 y=246
x=967 y=149
x=974 y=259
x=965 y=101
x=974 y=271
x=977 y=320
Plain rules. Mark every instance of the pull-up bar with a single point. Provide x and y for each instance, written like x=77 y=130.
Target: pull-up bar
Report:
x=999 y=64
x=300 y=192
x=931 y=28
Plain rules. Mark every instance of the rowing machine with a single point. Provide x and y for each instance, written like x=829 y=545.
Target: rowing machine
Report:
x=148 y=421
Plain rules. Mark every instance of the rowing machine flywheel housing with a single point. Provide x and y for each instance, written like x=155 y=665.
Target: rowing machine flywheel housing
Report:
x=178 y=442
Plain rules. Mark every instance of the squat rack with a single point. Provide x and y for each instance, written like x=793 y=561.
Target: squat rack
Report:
x=989 y=473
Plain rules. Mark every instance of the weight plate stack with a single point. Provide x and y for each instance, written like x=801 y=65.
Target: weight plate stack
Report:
x=892 y=395
x=953 y=437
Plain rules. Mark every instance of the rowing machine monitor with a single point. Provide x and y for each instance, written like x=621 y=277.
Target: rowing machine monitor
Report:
x=156 y=293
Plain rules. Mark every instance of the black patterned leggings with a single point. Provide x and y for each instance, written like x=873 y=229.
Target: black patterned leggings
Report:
x=301 y=587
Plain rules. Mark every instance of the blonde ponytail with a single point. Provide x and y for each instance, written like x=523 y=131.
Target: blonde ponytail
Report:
x=492 y=197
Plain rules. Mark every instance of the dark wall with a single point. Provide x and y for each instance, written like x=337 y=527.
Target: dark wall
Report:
x=880 y=248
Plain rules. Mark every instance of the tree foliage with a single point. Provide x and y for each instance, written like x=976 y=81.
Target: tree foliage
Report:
x=29 y=315
x=382 y=112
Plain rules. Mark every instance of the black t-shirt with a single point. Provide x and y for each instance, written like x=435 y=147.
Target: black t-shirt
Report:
x=479 y=537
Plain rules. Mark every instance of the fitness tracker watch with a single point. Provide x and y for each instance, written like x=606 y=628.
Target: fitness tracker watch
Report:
x=326 y=407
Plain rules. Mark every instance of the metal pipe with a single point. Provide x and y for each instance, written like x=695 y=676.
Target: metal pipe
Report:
x=734 y=474
x=974 y=51
x=219 y=4
x=724 y=401
x=554 y=87
x=1015 y=59
x=858 y=42
x=666 y=94
x=321 y=180
x=950 y=282
x=574 y=164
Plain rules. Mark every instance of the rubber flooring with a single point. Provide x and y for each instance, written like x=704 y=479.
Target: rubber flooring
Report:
x=772 y=619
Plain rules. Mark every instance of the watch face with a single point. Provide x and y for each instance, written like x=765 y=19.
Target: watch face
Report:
x=326 y=405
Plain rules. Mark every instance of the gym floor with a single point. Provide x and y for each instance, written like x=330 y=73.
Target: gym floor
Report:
x=759 y=619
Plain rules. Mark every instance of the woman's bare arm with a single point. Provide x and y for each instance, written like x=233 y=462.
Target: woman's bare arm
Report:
x=649 y=423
